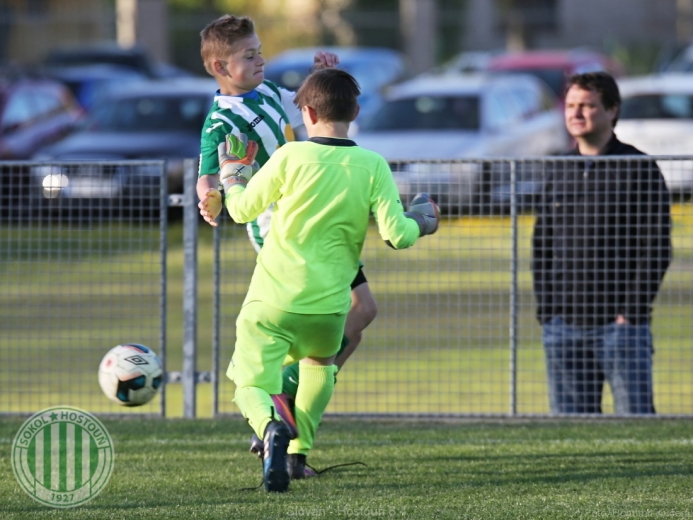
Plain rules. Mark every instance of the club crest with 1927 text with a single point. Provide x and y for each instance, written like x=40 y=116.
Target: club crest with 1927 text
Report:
x=62 y=456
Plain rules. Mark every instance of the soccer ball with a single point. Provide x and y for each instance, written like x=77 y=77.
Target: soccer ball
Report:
x=130 y=374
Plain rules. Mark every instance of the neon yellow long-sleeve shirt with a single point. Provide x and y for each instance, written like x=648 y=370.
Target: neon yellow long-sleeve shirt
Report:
x=324 y=190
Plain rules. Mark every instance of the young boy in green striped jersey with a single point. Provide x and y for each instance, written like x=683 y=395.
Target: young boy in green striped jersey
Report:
x=324 y=190
x=266 y=113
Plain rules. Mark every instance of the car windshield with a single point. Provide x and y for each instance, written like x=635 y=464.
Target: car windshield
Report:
x=370 y=75
x=151 y=114
x=427 y=113
x=657 y=106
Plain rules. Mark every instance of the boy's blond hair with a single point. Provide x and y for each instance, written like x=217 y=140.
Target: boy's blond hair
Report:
x=219 y=37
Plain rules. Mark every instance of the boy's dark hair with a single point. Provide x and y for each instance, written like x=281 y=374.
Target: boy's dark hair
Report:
x=331 y=93
x=603 y=84
x=218 y=38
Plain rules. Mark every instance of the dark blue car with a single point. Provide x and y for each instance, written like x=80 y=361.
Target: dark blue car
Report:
x=149 y=120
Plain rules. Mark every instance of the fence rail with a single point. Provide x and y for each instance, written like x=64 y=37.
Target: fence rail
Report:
x=456 y=332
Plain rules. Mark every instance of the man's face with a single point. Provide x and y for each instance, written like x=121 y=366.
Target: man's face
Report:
x=244 y=66
x=585 y=115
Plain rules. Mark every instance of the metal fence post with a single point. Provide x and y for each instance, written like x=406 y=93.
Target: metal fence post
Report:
x=190 y=223
x=216 y=299
x=163 y=247
x=513 y=288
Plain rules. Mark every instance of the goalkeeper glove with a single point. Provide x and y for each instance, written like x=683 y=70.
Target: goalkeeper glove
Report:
x=425 y=212
x=237 y=162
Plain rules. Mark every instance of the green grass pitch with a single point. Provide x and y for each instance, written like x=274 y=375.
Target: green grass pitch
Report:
x=491 y=469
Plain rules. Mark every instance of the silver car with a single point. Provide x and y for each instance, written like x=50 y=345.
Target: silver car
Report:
x=656 y=117
x=430 y=128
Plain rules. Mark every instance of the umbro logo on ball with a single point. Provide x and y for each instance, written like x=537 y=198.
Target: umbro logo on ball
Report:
x=137 y=360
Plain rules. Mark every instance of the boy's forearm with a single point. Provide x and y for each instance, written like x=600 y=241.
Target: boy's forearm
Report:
x=403 y=232
x=242 y=207
x=205 y=183
x=210 y=201
x=397 y=230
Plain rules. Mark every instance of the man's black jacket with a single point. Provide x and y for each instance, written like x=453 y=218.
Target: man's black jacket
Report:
x=601 y=241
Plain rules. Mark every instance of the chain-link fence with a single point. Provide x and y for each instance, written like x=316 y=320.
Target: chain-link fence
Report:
x=457 y=329
x=90 y=260
x=83 y=269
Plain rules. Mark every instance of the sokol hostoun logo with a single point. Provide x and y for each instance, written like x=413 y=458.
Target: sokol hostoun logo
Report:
x=62 y=456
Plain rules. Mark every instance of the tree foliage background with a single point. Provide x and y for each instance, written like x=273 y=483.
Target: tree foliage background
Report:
x=279 y=24
x=283 y=24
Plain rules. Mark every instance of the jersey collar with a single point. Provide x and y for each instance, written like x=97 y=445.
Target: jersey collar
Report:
x=253 y=94
x=332 y=141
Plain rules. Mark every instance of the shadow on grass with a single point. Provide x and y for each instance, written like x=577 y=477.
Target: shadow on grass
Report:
x=543 y=468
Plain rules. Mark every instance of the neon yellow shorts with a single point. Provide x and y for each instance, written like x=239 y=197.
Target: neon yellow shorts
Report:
x=267 y=338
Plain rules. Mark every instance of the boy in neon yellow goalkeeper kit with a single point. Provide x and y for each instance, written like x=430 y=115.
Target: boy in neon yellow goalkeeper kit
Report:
x=323 y=190
x=266 y=113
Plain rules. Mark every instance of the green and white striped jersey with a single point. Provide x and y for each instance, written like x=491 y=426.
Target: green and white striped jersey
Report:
x=268 y=120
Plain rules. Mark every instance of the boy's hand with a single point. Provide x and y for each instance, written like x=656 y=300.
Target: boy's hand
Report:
x=324 y=60
x=210 y=206
x=237 y=160
x=426 y=213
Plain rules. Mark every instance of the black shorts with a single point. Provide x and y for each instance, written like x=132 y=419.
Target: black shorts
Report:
x=360 y=279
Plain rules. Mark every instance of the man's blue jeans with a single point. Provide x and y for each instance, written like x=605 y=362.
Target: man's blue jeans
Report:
x=580 y=359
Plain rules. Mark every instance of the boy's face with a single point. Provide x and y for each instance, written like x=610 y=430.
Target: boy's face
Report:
x=243 y=69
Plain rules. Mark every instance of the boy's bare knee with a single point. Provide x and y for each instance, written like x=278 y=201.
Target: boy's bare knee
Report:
x=364 y=309
x=366 y=312
x=369 y=311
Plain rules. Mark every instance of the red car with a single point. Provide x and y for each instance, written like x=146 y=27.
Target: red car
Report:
x=554 y=67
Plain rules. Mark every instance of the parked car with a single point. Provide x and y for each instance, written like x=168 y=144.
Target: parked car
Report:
x=374 y=68
x=88 y=82
x=469 y=61
x=135 y=59
x=33 y=114
x=103 y=53
x=656 y=116
x=681 y=62
x=554 y=66
x=91 y=70
x=146 y=120
x=429 y=125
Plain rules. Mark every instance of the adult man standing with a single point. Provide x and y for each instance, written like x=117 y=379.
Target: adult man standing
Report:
x=600 y=249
